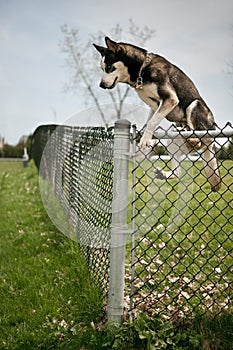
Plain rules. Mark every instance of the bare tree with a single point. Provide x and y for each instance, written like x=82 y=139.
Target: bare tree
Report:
x=82 y=61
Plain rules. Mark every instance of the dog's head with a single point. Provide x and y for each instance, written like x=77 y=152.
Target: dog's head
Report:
x=115 y=71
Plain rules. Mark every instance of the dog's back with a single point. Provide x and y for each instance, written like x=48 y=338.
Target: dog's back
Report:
x=168 y=76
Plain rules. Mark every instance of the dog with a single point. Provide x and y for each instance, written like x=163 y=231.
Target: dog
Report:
x=170 y=93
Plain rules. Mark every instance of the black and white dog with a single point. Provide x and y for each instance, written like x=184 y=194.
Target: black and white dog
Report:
x=170 y=93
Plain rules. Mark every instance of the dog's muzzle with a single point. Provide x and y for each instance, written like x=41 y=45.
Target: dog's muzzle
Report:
x=104 y=85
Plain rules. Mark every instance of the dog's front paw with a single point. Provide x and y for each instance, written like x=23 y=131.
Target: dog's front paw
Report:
x=146 y=140
x=159 y=174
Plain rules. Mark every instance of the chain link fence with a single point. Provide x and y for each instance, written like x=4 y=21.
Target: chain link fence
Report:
x=75 y=166
x=182 y=242
x=177 y=259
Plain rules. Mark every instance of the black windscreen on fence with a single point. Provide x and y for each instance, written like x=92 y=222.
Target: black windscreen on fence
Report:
x=76 y=187
x=179 y=246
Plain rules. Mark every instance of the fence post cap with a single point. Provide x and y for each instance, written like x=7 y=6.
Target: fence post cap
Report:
x=122 y=124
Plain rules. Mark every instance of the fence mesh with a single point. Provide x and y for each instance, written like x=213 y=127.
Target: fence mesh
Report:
x=182 y=244
x=76 y=186
x=179 y=261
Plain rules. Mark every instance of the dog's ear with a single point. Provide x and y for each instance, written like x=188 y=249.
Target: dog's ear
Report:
x=112 y=45
x=102 y=50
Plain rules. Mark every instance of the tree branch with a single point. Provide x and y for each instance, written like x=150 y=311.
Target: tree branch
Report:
x=94 y=98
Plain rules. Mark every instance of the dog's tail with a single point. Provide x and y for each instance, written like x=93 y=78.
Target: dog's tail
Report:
x=211 y=165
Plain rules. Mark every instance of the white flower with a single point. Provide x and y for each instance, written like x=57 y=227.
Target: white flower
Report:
x=64 y=324
x=218 y=270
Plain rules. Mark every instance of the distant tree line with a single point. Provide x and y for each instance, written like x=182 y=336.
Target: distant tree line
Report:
x=17 y=151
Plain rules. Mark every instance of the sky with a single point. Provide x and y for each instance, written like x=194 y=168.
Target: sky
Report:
x=195 y=35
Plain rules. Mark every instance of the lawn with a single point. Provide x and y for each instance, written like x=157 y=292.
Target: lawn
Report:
x=48 y=299
x=183 y=242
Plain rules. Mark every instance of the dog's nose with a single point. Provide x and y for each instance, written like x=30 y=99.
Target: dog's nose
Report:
x=103 y=85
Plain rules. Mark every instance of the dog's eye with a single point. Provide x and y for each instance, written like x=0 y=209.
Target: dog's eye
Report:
x=109 y=68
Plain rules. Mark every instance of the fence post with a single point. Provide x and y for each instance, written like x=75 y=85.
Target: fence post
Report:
x=119 y=221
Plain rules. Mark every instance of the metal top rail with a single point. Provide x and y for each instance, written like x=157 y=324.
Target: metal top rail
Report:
x=166 y=134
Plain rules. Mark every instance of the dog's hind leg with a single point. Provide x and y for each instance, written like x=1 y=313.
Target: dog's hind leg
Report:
x=211 y=165
x=199 y=117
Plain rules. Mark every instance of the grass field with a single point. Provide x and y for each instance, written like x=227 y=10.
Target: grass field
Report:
x=49 y=300
x=47 y=296
x=184 y=237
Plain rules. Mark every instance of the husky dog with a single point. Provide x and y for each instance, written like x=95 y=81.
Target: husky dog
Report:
x=170 y=94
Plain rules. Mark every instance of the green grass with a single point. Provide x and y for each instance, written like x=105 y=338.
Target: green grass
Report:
x=47 y=296
x=183 y=241
x=49 y=300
